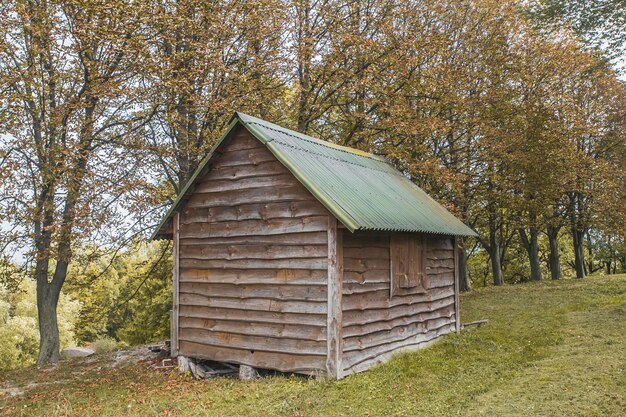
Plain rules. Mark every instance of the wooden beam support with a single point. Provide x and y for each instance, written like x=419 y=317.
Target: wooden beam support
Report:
x=334 y=337
x=457 y=300
x=175 y=282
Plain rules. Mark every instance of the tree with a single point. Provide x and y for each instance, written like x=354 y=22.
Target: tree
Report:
x=600 y=22
x=68 y=114
x=126 y=297
x=207 y=60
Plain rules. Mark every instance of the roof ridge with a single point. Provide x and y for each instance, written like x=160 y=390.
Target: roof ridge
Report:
x=309 y=138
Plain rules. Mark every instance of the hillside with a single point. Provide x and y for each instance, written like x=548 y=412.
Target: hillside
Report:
x=555 y=348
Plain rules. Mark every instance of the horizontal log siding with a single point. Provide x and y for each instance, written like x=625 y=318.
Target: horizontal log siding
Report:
x=374 y=325
x=253 y=265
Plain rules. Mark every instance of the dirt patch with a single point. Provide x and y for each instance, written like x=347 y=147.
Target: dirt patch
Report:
x=83 y=367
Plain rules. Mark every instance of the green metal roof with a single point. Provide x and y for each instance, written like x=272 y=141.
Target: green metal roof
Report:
x=364 y=191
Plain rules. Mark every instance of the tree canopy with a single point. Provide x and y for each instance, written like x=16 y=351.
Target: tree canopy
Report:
x=107 y=107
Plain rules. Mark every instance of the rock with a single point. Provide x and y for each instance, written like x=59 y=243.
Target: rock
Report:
x=184 y=364
x=76 y=352
x=247 y=372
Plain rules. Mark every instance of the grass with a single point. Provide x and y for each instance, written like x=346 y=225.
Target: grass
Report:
x=549 y=349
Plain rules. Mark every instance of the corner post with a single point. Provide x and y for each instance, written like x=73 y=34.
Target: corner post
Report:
x=334 y=337
x=175 y=282
x=457 y=304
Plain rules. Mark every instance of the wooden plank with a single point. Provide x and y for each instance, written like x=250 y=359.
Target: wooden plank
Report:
x=439 y=270
x=355 y=317
x=440 y=280
x=244 y=184
x=441 y=263
x=366 y=252
x=229 y=314
x=356 y=357
x=257 y=328
x=270 y=292
x=245 y=156
x=398 y=261
x=362 y=239
x=457 y=301
x=364 y=265
x=283 y=362
x=441 y=243
x=255 y=211
x=295 y=192
x=254 y=304
x=394 y=335
x=242 y=140
x=310 y=238
x=296 y=263
x=414 y=262
x=335 y=271
x=253 y=251
x=372 y=276
x=256 y=343
x=255 y=276
x=254 y=227
x=175 y=283
x=244 y=171
x=383 y=357
x=435 y=254
x=361 y=288
x=380 y=299
x=377 y=326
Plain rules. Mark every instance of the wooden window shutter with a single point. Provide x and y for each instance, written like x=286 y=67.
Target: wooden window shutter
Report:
x=400 y=262
x=407 y=256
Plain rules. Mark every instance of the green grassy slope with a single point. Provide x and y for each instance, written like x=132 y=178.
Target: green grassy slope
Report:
x=549 y=349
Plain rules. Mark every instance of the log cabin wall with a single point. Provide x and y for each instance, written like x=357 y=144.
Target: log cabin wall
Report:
x=377 y=325
x=253 y=264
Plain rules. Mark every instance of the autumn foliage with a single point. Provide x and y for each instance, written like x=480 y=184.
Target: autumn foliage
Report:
x=107 y=107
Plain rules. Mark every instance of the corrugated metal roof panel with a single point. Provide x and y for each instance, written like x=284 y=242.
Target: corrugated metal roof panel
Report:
x=361 y=187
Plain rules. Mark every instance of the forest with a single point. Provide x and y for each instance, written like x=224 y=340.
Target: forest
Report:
x=510 y=113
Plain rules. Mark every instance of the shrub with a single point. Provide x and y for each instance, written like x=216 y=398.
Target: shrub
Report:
x=104 y=345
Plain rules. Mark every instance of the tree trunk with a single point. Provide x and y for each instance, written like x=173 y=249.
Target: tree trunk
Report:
x=533 y=253
x=591 y=268
x=494 y=256
x=49 y=346
x=496 y=265
x=493 y=248
x=579 y=255
x=554 y=258
x=531 y=244
x=305 y=46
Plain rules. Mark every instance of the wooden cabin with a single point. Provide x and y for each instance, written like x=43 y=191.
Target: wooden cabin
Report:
x=299 y=255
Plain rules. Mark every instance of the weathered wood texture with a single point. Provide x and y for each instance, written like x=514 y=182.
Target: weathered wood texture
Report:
x=334 y=357
x=375 y=325
x=175 y=284
x=253 y=265
x=457 y=287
